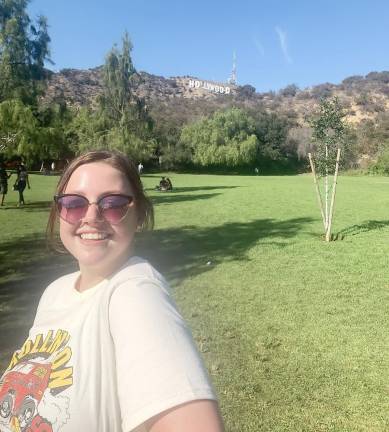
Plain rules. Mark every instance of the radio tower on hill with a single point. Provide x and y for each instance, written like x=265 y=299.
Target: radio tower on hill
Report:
x=232 y=78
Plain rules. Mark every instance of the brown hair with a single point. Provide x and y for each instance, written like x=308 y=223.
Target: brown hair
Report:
x=143 y=205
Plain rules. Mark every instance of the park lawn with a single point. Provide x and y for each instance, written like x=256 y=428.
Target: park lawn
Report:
x=294 y=331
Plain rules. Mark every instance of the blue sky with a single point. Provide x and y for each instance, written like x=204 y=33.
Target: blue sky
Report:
x=277 y=42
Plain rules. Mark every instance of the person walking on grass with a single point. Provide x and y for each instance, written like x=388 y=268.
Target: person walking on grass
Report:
x=21 y=182
x=108 y=351
x=4 y=176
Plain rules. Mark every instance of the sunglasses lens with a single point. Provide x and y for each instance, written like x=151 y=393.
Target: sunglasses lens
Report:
x=72 y=208
x=114 y=207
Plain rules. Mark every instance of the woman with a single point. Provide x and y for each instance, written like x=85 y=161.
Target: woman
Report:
x=21 y=182
x=108 y=350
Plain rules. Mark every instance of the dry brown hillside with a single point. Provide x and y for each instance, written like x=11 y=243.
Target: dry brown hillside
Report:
x=187 y=98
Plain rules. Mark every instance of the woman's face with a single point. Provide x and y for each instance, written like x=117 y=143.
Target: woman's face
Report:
x=95 y=243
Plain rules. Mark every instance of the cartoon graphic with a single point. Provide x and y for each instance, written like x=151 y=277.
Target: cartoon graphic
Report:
x=30 y=387
x=21 y=391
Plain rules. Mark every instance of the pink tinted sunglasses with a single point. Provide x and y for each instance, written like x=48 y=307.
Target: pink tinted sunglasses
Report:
x=113 y=208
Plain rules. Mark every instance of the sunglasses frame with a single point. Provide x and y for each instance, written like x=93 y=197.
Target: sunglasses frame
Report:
x=101 y=212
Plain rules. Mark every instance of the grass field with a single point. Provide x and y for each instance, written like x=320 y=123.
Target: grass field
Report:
x=294 y=331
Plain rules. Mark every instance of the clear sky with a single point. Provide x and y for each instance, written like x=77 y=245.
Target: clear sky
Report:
x=277 y=42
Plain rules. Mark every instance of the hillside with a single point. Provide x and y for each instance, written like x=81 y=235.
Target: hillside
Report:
x=187 y=98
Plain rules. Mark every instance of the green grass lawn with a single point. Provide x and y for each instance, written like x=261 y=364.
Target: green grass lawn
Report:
x=294 y=331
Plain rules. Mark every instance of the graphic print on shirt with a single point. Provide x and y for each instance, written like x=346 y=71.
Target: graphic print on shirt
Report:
x=31 y=387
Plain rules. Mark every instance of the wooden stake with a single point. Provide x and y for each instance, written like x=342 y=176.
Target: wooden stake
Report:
x=328 y=232
x=317 y=190
x=326 y=190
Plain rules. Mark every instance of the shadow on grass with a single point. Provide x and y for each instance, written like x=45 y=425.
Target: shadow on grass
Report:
x=184 y=251
x=201 y=188
x=27 y=267
x=176 y=194
x=195 y=188
x=30 y=206
x=36 y=206
x=169 y=197
x=370 y=225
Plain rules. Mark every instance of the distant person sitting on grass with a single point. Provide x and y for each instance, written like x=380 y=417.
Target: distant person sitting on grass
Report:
x=170 y=185
x=164 y=185
x=3 y=182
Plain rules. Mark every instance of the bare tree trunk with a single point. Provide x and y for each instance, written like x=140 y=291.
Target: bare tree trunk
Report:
x=326 y=190
x=328 y=232
x=317 y=190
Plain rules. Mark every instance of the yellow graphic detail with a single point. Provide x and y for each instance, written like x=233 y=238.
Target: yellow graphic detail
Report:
x=15 y=425
x=53 y=348
x=49 y=346
x=61 y=378
x=62 y=358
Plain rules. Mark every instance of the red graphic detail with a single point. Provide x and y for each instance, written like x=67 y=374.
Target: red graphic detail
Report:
x=39 y=424
x=21 y=390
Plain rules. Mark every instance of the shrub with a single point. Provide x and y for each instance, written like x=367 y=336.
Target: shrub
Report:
x=382 y=164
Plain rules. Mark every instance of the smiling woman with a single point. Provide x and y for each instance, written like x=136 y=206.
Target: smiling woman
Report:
x=116 y=353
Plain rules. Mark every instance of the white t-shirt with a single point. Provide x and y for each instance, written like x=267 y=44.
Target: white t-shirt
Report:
x=104 y=360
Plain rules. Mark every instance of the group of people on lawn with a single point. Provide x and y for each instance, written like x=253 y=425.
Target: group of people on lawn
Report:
x=20 y=183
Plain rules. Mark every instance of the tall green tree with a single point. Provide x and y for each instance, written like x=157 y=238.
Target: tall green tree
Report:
x=123 y=121
x=329 y=130
x=24 y=48
x=118 y=71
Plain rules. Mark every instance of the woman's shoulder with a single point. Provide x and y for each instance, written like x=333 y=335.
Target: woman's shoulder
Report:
x=138 y=268
x=62 y=283
x=56 y=292
x=139 y=285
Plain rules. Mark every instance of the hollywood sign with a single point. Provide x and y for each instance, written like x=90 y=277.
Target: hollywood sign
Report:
x=209 y=86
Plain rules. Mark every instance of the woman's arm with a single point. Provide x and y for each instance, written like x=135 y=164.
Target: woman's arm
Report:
x=195 y=416
x=167 y=383
x=28 y=181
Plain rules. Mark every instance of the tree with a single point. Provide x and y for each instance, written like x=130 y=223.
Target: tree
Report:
x=24 y=48
x=17 y=127
x=328 y=132
x=300 y=138
x=289 y=91
x=118 y=70
x=226 y=139
x=122 y=121
x=55 y=134
x=271 y=131
x=34 y=135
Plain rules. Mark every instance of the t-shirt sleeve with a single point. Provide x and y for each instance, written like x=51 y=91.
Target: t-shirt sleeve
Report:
x=157 y=364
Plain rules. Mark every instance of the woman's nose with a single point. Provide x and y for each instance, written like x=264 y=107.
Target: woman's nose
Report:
x=93 y=213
